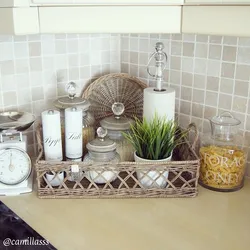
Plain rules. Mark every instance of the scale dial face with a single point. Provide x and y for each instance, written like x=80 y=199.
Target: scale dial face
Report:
x=15 y=166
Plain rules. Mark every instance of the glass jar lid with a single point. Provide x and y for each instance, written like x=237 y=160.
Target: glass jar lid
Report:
x=71 y=100
x=101 y=144
x=224 y=127
x=117 y=121
x=225 y=119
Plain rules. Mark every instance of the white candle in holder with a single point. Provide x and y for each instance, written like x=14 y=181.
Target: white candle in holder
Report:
x=52 y=138
x=73 y=133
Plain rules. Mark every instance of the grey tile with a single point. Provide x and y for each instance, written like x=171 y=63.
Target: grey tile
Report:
x=241 y=88
x=213 y=83
x=225 y=101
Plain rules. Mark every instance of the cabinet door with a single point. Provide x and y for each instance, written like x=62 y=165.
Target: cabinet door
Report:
x=107 y=2
x=204 y=1
x=111 y=19
x=239 y=2
x=19 y=21
x=216 y=20
x=14 y=3
x=214 y=2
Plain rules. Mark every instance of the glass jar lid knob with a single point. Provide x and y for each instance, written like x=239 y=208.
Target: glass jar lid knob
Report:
x=118 y=109
x=101 y=133
x=71 y=89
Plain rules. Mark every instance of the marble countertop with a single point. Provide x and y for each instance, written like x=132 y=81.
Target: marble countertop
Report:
x=211 y=221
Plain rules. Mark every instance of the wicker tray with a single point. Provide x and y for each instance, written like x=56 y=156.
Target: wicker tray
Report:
x=182 y=180
x=106 y=90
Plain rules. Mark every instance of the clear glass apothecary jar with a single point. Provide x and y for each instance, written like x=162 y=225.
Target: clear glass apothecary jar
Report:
x=102 y=150
x=88 y=129
x=223 y=158
x=116 y=125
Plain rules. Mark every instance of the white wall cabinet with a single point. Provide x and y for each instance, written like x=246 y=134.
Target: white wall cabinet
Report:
x=125 y=16
x=90 y=16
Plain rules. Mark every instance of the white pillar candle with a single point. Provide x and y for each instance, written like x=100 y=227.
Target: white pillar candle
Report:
x=73 y=133
x=52 y=138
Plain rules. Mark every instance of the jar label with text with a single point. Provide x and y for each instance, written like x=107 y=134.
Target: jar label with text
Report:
x=222 y=167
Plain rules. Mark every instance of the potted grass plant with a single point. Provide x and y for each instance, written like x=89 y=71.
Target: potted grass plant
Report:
x=154 y=141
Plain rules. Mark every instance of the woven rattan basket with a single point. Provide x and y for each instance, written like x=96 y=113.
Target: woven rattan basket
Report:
x=182 y=179
x=111 y=88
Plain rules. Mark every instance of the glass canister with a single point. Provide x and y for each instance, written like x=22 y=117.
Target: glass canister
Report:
x=223 y=158
x=102 y=150
x=116 y=125
x=71 y=100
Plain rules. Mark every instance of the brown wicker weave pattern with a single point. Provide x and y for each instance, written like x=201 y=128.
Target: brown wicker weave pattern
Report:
x=182 y=180
x=111 y=88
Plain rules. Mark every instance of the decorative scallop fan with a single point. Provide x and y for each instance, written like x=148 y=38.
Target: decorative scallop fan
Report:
x=111 y=88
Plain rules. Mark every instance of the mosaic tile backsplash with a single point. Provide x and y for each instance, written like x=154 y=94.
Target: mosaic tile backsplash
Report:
x=34 y=69
x=209 y=73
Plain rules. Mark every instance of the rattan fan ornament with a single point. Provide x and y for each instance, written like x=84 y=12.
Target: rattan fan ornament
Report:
x=111 y=88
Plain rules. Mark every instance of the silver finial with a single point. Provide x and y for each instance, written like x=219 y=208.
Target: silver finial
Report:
x=101 y=133
x=159 y=46
x=71 y=89
x=118 y=109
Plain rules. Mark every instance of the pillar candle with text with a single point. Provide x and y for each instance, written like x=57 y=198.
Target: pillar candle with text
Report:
x=52 y=138
x=73 y=133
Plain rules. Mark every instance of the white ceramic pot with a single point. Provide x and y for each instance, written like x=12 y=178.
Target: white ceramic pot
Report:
x=100 y=177
x=55 y=179
x=153 y=178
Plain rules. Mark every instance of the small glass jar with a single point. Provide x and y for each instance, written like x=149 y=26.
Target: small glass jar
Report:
x=88 y=129
x=223 y=158
x=116 y=125
x=102 y=150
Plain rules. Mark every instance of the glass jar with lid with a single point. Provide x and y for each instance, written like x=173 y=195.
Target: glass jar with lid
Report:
x=88 y=129
x=116 y=125
x=223 y=158
x=102 y=150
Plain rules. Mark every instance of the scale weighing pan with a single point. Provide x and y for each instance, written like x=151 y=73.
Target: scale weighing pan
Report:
x=16 y=120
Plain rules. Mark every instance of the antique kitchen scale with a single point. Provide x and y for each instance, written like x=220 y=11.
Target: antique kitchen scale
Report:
x=16 y=175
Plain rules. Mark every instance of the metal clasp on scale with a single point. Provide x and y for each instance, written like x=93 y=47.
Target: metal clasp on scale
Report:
x=10 y=133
